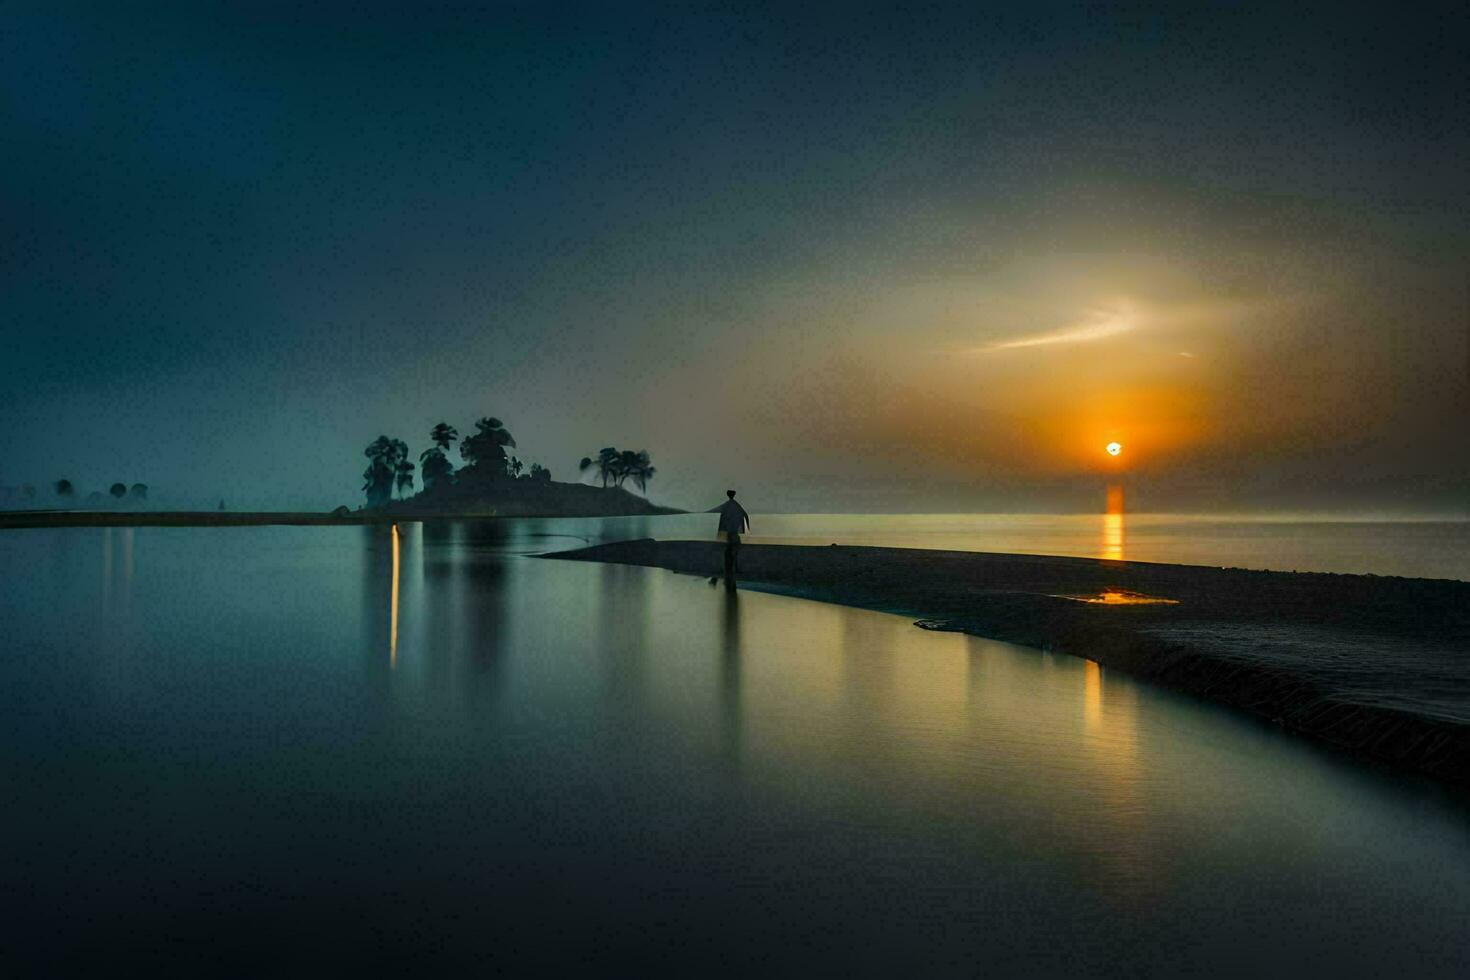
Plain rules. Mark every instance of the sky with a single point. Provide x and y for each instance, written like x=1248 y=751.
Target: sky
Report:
x=846 y=258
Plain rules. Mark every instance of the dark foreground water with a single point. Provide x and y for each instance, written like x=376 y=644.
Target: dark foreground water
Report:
x=266 y=750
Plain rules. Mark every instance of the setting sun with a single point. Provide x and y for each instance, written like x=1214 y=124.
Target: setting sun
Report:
x=1114 y=448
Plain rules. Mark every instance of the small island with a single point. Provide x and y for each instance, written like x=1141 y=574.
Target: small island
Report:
x=495 y=483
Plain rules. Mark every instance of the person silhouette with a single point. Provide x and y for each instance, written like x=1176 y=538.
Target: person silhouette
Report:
x=734 y=521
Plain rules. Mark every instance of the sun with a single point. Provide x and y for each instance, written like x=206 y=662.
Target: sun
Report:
x=1114 y=448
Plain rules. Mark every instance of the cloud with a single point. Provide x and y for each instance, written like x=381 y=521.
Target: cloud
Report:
x=1098 y=324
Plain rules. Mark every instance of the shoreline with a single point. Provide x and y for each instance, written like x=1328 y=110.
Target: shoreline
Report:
x=1375 y=666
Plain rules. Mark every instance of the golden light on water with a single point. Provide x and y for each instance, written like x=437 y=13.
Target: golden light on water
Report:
x=1122 y=597
x=1091 y=695
x=393 y=610
x=1112 y=529
x=1113 y=537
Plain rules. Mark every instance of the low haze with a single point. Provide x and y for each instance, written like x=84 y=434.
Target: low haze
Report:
x=905 y=261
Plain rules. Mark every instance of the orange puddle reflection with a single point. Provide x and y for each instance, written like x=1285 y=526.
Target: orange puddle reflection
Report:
x=1122 y=597
x=1091 y=695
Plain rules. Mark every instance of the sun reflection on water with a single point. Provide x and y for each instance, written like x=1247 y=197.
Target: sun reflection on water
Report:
x=393 y=607
x=1112 y=528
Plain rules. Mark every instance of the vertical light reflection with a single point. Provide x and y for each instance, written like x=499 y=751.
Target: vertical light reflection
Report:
x=127 y=568
x=1091 y=695
x=393 y=610
x=127 y=555
x=1125 y=867
x=730 y=674
x=1112 y=536
x=107 y=569
x=414 y=588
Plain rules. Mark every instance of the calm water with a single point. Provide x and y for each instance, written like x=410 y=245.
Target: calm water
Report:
x=325 y=749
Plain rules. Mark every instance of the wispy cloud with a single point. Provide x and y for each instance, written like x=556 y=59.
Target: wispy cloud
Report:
x=1125 y=315
x=1097 y=325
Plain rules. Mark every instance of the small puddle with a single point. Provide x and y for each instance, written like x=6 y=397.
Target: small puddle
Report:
x=1121 y=597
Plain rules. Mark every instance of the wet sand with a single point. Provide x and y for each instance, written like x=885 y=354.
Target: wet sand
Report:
x=1372 y=665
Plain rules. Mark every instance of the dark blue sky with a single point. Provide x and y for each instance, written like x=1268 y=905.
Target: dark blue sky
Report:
x=790 y=251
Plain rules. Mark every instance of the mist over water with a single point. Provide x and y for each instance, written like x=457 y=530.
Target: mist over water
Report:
x=887 y=273
x=331 y=745
x=1420 y=549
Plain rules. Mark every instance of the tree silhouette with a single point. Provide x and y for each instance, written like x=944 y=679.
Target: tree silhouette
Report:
x=627 y=465
x=606 y=463
x=643 y=470
x=403 y=474
x=443 y=435
x=620 y=465
x=540 y=474
x=118 y=490
x=433 y=462
x=64 y=488
x=435 y=467
x=485 y=450
x=383 y=455
x=516 y=466
x=139 y=490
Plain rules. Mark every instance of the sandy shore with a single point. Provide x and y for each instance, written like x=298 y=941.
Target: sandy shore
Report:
x=1376 y=666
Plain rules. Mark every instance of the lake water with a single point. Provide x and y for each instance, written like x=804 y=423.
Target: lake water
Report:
x=329 y=749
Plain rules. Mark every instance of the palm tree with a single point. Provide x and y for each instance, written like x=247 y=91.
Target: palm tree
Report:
x=644 y=470
x=433 y=462
x=383 y=455
x=627 y=465
x=487 y=446
x=618 y=465
x=443 y=435
x=435 y=466
x=606 y=463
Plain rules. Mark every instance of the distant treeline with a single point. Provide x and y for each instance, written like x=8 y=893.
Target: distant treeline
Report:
x=66 y=492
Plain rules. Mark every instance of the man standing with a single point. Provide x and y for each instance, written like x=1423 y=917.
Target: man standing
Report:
x=734 y=521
